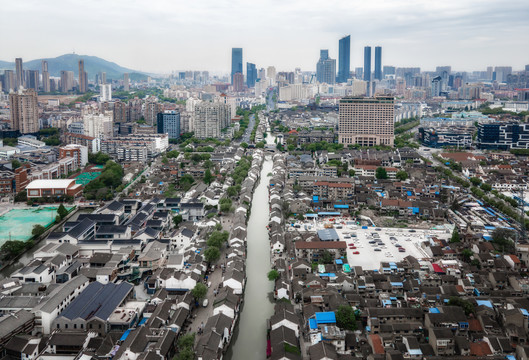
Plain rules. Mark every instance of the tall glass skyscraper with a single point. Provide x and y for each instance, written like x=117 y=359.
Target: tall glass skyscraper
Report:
x=236 y=61
x=344 y=59
x=367 y=63
x=168 y=122
x=251 y=75
x=326 y=68
x=378 y=63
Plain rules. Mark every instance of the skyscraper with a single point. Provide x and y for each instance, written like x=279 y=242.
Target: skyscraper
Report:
x=326 y=68
x=251 y=75
x=168 y=122
x=236 y=62
x=344 y=59
x=366 y=121
x=10 y=81
x=105 y=92
x=83 y=86
x=367 y=63
x=388 y=70
x=378 y=63
x=24 y=111
x=20 y=73
x=126 y=85
x=45 y=77
x=32 y=80
x=67 y=80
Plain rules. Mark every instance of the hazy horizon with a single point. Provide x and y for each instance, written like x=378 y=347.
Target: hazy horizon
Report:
x=169 y=36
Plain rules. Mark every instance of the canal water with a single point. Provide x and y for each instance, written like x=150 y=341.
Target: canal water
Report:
x=249 y=339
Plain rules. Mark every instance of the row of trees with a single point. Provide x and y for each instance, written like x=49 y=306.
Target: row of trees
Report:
x=109 y=181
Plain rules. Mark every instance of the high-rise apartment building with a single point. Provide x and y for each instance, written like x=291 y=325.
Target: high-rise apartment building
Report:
x=238 y=82
x=120 y=112
x=437 y=86
x=24 y=111
x=152 y=108
x=105 y=92
x=344 y=59
x=359 y=73
x=378 y=63
x=236 y=62
x=32 y=80
x=210 y=119
x=366 y=121
x=326 y=68
x=251 y=75
x=126 y=84
x=501 y=73
x=83 y=83
x=367 y=63
x=168 y=122
x=67 y=80
x=98 y=125
x=20 y=73
x=45 y=77
x=9 y=81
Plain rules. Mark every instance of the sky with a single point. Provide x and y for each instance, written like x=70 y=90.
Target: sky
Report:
x=161 y=36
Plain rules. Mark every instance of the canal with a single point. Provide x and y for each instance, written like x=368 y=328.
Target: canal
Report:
x=249 y=338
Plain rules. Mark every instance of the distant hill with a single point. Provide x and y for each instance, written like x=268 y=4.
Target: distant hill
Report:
x=70 y=62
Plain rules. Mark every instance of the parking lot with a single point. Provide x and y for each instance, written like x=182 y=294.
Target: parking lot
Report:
x=369 y=246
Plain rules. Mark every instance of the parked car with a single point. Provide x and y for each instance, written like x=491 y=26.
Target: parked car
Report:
x=378 y=249
x=205 y=303
x=356 y=252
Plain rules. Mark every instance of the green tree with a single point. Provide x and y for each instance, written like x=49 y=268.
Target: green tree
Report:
x=62 y=211
x=475 y=181
x=212 y=254
x=352 y=172
x=273 y=275
x=15 y=164
x=232 y=191
x=485 y=187
x=326 y=258
x=467 y=306
x=186 y=354
x=218 y=238
x=177 y=220
x=165 y=160
x=402 y=175
x=381 y=173
x=345 y=318
x=503 y=238
x=260 y=145
x=455 y=236
x=38 y=230
x=12 y=248
x=244 y=145
x=199 y=291
x=466 y=254
x=208 y=178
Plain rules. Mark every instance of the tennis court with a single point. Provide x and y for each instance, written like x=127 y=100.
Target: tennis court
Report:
x=86 y=177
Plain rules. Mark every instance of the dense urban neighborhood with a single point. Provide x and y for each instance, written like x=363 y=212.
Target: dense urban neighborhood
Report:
x=289 y=216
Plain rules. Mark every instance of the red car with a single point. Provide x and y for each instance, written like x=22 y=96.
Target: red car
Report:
x=352 y=247
x=356 y=252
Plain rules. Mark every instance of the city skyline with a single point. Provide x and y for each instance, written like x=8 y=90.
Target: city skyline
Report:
x=466 y=28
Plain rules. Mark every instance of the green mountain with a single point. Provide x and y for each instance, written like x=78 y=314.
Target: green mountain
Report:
x=70 y=62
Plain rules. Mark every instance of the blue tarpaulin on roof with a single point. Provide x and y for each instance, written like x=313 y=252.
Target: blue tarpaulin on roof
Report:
x=143 y=321
x=125 y=335
x=339 y=261
x=409 y=193
x=434 y=311
x=315 y=198
x=328 y=317
x=486 y=303
x=386 y=302
x=311 y=215
x=414 y=210
x=487 y=237
x=336 y=206
x=524 y=312
x=327 y=213
x=313 y=324
x=487 y=227
x=397 y=283
x=364 y=227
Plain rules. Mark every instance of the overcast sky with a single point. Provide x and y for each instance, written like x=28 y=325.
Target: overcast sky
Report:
x=165 y=35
